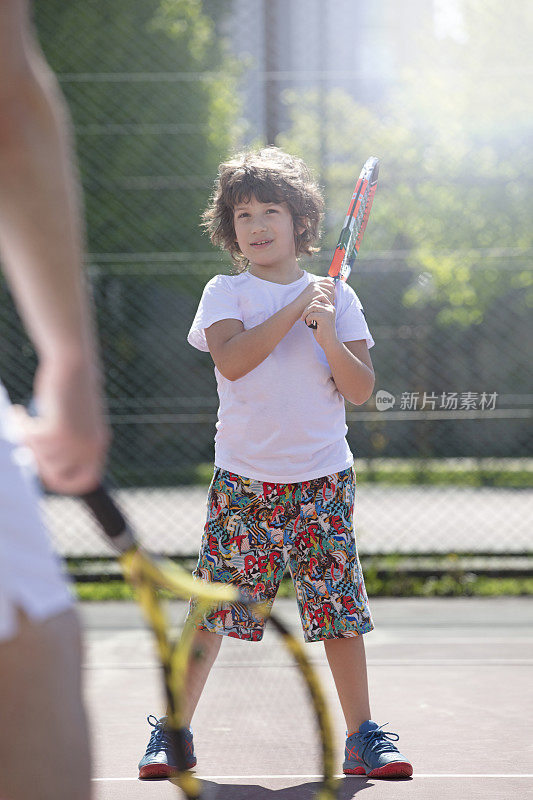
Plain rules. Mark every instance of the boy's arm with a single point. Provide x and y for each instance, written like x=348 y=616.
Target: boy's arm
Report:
x=236 y=351
x=352 y=369
x=350 y=362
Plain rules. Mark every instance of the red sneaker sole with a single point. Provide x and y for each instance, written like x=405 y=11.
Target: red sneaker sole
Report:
x=396 y=769
x=159 y=771
x=156 y=771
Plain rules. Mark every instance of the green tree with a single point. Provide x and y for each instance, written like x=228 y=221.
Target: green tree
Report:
x=152 y=94
x=455 y=184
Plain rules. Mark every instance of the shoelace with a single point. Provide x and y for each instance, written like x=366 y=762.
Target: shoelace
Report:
x=158 y=737
x=379 y=740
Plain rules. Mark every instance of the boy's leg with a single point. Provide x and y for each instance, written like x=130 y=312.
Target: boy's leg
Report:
x=347 y=661
x=158 y=761
x=330 y=588
x=334 y=608
x=227 y=554
x=44 y=749
x=203 y=654
x=369 y=750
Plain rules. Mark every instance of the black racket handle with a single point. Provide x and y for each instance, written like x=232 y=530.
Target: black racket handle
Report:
x=110 y=518
x=103 y=508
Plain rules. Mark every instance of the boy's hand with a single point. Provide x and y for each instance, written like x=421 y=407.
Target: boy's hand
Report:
x=323 y=289
x=321 y=309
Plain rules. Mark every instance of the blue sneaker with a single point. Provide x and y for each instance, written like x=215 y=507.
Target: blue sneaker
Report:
x=158 y=761
x=370 y=751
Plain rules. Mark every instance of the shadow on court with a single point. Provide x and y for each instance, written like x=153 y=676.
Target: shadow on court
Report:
x=451 y=676
x=306 y=791
x=348 y=788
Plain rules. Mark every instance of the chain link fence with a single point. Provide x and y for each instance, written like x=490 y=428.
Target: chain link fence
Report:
x=159 y=93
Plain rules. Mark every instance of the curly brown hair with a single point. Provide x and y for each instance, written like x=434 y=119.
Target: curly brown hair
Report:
x=271 y=176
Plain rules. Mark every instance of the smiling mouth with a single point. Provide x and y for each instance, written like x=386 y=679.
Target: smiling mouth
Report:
x=262 y=243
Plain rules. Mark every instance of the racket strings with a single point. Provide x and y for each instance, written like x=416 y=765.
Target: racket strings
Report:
x=303 y=689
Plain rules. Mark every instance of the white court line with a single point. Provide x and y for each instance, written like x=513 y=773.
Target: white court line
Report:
x=376 y=662
x=385 y=639
x=317 y=777
x=393 y=662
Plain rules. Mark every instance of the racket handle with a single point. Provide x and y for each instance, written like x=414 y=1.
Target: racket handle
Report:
x=110 y=518
x=103 y=509
x=313 y=324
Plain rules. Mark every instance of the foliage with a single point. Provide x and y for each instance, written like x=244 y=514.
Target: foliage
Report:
x=454 y=198
x=500 y=473
x=151 y=91
x=391 y=585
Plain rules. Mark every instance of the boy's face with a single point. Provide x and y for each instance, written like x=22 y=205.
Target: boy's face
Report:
x=265 y=233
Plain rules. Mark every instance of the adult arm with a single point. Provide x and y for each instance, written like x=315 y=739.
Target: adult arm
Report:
x=41 y=240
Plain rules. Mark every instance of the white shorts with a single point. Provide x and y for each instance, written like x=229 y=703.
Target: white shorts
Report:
x=31 y=578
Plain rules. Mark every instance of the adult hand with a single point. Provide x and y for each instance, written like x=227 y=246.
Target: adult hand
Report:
x=70 y=437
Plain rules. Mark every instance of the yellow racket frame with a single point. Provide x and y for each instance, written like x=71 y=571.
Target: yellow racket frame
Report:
x=148 y=574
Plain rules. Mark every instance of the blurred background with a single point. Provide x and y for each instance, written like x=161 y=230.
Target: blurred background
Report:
x=160 y=92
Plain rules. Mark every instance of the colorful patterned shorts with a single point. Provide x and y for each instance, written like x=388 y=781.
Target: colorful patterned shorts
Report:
x=254 y=529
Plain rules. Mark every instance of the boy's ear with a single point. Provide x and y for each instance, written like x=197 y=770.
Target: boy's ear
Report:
x=299 y=227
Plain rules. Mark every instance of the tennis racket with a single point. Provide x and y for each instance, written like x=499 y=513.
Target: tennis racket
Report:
x=355 y=223
x=149 y=574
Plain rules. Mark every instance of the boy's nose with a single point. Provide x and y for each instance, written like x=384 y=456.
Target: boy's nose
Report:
x=258 y=225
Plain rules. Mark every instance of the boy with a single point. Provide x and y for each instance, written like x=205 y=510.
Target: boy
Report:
x=283 y=470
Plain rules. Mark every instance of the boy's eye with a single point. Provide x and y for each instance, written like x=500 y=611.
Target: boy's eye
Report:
x=243 y=214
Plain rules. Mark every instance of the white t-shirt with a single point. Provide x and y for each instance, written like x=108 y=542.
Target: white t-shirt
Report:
x=284 y=421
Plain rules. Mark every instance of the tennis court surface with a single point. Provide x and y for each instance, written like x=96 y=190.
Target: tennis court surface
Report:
x=451 y=676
